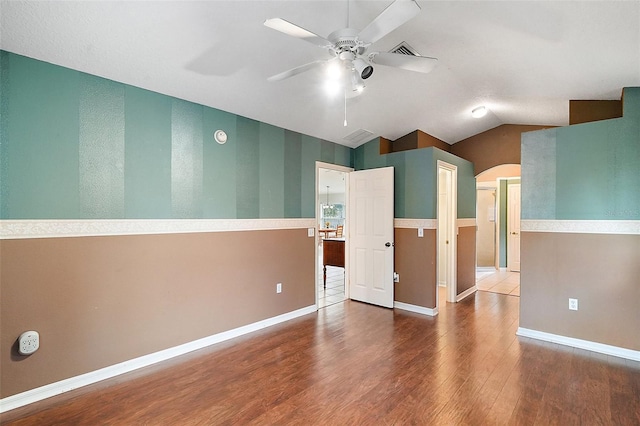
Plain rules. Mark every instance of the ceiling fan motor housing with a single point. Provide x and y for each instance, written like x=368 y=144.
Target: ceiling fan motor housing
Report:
x=346 y=39
x=348 y=48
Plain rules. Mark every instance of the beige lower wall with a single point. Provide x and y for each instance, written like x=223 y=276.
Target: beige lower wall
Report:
x=466 y=259
x=415 y=261
x=486 y=234
x=98 y=301
x=602 y=271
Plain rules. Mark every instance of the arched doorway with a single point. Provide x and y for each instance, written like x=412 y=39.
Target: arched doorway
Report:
x=493 y=239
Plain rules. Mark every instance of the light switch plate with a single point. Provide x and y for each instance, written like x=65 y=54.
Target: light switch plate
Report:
x=311 y=232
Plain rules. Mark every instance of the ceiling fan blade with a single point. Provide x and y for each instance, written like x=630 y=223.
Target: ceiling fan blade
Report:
x=293 y=30
x=296 y=71
x=399 y=12
x=421 y=64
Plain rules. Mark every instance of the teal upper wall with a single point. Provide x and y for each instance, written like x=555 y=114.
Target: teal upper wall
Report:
x=76 y=146
x=587 y=171
x=416 y=179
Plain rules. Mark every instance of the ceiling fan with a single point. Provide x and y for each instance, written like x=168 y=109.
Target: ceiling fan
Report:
x=348 y=46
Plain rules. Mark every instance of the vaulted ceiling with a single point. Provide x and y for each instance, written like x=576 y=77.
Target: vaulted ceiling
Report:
x=523 y=60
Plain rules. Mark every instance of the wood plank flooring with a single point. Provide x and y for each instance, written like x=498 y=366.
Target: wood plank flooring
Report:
x=356 y=364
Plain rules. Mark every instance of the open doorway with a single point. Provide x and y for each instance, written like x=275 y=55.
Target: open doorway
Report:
x=486 y=226
x=497 y=257
x=447 y=213
x=332 y=231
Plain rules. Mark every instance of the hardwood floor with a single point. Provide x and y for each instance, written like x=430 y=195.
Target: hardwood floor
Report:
x=352 y=363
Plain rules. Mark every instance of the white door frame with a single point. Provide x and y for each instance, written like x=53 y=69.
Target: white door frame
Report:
x=346 y=170
x=499 y=194
x=452 y=249
x=511 y=238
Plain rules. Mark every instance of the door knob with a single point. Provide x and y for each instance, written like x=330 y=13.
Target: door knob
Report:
x=388 y=244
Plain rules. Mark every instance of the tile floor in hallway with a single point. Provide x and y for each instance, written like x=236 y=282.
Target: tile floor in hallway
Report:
x=334 y=292
x=498 y=281
x=503 y=282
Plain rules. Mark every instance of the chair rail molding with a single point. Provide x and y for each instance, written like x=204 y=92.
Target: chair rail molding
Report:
x=19 y=229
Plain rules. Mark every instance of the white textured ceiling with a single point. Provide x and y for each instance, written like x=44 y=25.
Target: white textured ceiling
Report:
x=523 y=60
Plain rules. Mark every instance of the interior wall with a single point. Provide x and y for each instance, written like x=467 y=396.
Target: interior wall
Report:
x=466 y=259
x=486 y=223
x=417 y=284
x=415 y=177
x=99 y=301
x=82 y=147
x=502 y=222
x=580 y=216
x=500 y=145
x=502 y=171
x=600 y=270
x=76 y=146
x=414 y=140
x=585 y=111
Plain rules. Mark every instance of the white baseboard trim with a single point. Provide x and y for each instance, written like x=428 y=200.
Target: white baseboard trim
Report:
x=57 y=388
x=415 y=308
x=468 y=292
x=580 y=344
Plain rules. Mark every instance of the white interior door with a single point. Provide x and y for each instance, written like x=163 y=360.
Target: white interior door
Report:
x=371 y=236
x=444 y=227
x=513 y=228
x=447 y=229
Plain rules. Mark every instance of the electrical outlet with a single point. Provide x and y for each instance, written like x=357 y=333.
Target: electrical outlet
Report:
x=279 y=288
x=396 y=277
x=573 y=304
x=28 y=342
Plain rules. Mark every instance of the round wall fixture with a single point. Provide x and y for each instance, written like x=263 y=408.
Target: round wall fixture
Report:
x=220 y=136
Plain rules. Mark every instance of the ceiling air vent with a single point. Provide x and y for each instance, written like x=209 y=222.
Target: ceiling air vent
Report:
x=358 y=137
x=404 y=49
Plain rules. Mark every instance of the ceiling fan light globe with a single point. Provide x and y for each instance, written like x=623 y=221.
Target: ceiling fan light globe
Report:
x=333 y=87
x=334 y=70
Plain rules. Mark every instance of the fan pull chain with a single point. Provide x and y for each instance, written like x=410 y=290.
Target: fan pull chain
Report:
x=345 y=107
